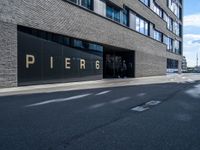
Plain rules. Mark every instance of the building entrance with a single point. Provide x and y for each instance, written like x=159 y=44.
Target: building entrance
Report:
x=118 y=63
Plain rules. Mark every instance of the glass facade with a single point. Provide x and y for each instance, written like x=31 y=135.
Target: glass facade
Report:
x=60 y=39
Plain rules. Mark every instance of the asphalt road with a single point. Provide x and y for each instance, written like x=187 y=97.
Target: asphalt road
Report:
x=141 y=117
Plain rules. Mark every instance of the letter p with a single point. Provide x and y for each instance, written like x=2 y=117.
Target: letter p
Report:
x=30 y=60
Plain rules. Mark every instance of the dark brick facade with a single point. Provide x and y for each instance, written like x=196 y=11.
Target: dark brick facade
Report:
x=8 y=54
x=64 y=18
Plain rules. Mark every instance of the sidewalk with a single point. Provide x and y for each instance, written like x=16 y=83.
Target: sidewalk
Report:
x=104 y=83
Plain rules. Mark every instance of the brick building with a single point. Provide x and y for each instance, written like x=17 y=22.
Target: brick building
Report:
x=44 y=41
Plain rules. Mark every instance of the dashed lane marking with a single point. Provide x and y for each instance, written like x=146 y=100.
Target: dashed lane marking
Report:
x=141 y=94
x=119 y=100
x=102 y=93
x=97 y=105
x=59 y=100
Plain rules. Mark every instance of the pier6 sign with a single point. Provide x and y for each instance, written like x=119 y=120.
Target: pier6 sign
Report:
x=30 y=60
x=41 y=60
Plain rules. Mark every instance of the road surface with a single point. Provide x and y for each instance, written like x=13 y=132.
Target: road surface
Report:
x=156 y=116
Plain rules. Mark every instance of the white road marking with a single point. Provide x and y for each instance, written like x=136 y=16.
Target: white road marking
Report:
x=153 y=103
x=194 y=92
x=119 y=100
x=141 y=94
x=97 y=105
x=190 y=81
x=140 y=108
x=58 y=100
x=102 y=93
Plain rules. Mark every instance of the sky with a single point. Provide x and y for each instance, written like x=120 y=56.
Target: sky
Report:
x=191 y=31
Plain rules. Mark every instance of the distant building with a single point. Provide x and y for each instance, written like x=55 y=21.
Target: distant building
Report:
x=197 y=69
x=184 y=64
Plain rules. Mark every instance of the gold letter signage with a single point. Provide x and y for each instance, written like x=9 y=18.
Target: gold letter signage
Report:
x=67 y=63
x=51 y=62
x=97 y=64
x=30 y=60
x=82 y=63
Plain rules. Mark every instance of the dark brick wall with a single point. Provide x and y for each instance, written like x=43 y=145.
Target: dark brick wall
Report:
x=8 y=55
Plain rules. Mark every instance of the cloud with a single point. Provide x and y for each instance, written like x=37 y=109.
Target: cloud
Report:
x=191 y=47
x=196 y=41
x=192 y=20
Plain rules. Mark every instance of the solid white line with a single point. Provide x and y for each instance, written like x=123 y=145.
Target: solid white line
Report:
x=58 y=100
x=102 y=93
x=119 y=100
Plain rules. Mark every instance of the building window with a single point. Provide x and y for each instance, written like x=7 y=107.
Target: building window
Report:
x=87 y=4
x=176 y=29
x=113 y=13
x=84 y=3
x=157 y=35
x=79 y=44
x=170 y=24
x=172 y=64
x=125 y=17
x=169 y=42
x=157 y=10
x=142 y=26
x=96 y=47
x=74 y=1
x=117 y=14
x=176 y=47
x=169 y=21
x=146 y=2
x=173 y=6
x=165 y=40
x=63 y=40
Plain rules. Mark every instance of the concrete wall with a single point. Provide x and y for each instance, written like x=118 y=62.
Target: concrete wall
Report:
x=64 y=18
